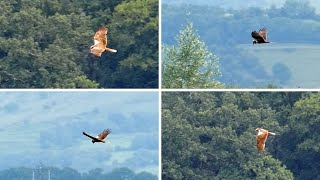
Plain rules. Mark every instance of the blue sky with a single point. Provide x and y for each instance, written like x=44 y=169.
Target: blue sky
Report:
x=46 y=127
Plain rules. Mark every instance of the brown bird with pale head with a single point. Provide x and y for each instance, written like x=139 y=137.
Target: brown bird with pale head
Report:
x=101 y=42
x=262 y=138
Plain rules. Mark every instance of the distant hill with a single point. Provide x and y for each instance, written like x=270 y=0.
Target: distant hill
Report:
x=294 y=63
x=289 y=63
x=47 y=128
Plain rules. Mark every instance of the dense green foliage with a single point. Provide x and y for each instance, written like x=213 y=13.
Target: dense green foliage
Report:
x=293 y=27
x=190 y=65
x=71 y=174
x=45 y=44
x=211 y=135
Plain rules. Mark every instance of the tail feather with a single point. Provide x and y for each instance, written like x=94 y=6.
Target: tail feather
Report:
x=111 y=50
x=272 y=133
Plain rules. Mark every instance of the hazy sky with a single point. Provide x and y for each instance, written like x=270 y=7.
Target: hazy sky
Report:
x=46 y=127
x=239 y=4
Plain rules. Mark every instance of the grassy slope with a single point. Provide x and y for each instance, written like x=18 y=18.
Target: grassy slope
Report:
x=302 y=60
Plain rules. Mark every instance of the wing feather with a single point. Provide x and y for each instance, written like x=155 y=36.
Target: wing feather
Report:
x=101 y=36
x=104 y=134
x=263 y=33
x=255 y=35
x=90 y=136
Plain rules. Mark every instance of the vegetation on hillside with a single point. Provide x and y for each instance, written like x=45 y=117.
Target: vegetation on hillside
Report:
x=224 y=31
x=190 y=64
x=46 y=44
x=211 y=135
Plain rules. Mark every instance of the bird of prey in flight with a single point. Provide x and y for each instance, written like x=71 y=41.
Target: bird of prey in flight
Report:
x=100 y=137
x=101 y=42
x=260 y=37
x=262 y=138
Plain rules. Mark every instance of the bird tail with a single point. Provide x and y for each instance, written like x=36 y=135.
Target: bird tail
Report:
x=272 y=133
x=111 y=50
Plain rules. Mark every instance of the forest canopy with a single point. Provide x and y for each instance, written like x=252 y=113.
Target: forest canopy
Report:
x=211 y=135
x=46 y=44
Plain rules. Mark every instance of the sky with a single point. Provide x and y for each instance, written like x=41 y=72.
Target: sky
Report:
x=237 y=4
x=46 y=128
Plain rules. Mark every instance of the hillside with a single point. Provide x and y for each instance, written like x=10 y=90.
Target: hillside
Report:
x=47 y=128
x=293 y=28
x=294 y=63
x=211 y=135
x=54 y=40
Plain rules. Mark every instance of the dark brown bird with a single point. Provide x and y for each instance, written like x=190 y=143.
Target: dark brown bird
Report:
x=260 y=37
x=100 y=137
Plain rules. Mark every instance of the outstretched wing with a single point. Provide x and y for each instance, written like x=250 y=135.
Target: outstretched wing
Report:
x=104 y=134
x=90 y=136
x=101 y=36
x=263 y=33
x=255 y=35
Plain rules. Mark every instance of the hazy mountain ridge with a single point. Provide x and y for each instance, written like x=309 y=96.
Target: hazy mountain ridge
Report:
x=236 y=4
x=295 y=24
x=50 y=127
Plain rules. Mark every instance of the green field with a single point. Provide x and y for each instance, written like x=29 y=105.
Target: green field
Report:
x=302 y=60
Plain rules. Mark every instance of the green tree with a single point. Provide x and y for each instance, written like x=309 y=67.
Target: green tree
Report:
x=190 y=65
x=45 y=44
x=211 y=135
x=302 y=152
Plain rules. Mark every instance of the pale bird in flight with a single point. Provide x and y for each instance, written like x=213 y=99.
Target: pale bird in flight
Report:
x=100 y=42
x=262 y=138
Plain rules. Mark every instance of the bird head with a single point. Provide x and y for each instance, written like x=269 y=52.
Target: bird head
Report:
x=258 y=129
x=254 y=42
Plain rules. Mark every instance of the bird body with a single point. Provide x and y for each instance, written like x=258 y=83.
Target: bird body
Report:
x=100 y=42
x=100 y=137
x=262 y=138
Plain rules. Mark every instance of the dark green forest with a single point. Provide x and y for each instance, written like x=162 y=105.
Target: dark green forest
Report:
x=287 y=62
x=46 y=44
x=211 y=135
x=43 y=173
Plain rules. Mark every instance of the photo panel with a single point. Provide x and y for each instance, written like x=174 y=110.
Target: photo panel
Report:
x=79 y=135
x=240 y=135
x=240 y=44
x=79 y=44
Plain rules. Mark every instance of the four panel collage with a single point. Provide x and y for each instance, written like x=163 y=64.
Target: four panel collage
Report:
x=159 y=89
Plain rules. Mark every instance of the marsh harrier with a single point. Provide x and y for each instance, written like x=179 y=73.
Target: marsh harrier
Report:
x=100 y=137
x=100 y=42
x=262 y=138
x=260 y=37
